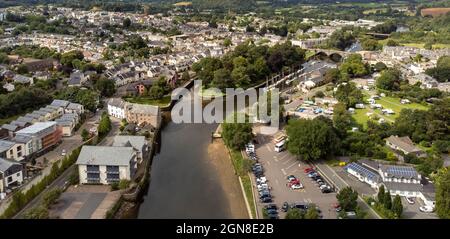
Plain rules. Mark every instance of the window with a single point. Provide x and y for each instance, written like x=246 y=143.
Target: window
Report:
x=9 y=179
x=92 y=168
x=17 y=174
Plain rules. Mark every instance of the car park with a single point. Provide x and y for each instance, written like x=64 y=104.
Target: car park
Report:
x=291 y=177
x=272 y=215
x=327 y=190
x=271 y=206
x=313 y=174
x=308 y=170
x=261 y=180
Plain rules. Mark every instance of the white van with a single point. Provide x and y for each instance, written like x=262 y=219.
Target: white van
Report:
x=280 y=146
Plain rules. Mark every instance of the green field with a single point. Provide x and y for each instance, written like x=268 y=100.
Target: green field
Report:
x=392 y=103
x=165 y=101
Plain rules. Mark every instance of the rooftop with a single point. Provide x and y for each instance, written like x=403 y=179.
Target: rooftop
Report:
x=36 y=128
x=6 y=164
x=105 y=155
x=405 y=143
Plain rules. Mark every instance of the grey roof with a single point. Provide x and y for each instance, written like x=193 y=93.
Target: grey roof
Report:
x=399 y=171
x=5 y=145
x=75 y=106
x=36 y=128
x=22 y=138
x=60 y=103
x=25 y=119
x=6 y=164
x=410 y=187
x=405 y=143
x=143 y=109
x=136 y=142
x=117 y=102
x=19 y=123
x=22 y=79
x=10 y=127
x=105 y=155
x=75 y=78
x=64 y=122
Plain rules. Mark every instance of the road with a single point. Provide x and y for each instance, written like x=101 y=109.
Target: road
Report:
x=64 y=177
x=340 y=183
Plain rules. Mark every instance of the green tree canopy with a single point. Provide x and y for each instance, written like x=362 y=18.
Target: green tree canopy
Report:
x=347 y=199
x=236 y=135
x=312 y=139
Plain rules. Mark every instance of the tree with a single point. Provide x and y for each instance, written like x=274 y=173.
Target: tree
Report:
x=389 y=80
x=391 y=42
x=22 y=69
x=332 y=75
x=104 y=125
x=348 y=94
x=156 y=92
x=319 y=94
x=227 y=42
x=442 y=70
x=68 y=58
x=347 y=199
x=295 y=213
x=105 y=86
x=185 y=76
x=397 y=206
x=341 y=39
x=50 y=197
x=354 y=66
x=84 y=134
x=312 y=139
x=380 y=66
x=387 y=200
x=4 y=58
x=342 y=120
x=443 y=193
x=236 y=134
x=370 y=44
x=312 y=212
x=126 y=22
x=37 y=213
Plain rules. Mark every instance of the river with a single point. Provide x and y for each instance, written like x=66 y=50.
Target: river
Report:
x=186 y=181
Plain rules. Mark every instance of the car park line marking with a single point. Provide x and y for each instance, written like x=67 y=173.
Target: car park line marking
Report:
x=284 y=156
x=284 y=172
x=268 y=162
x=268 y=148
x=290 y=166
x=277 y=182
x=288 y=161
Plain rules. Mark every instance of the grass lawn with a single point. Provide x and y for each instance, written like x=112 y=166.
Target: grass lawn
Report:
x=309 y=53
x=147 y=101
x=392 y=103
x=240 y=164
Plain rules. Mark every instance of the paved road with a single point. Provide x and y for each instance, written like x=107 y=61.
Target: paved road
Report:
x=64 y=177
x=340 y=183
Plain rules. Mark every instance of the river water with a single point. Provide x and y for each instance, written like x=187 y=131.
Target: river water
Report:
x=184 y=182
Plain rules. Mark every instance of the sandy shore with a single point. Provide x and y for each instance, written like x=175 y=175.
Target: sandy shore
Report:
x=219 y=157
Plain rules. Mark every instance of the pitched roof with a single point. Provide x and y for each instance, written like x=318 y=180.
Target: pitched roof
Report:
x=411 y=187
x=404 y=143
x=397 y=171
x=60 y=103
x=105 y=155
x=5 y=145
x=136 y=142
x=117 y=102
x=6 y=164
x=143 y=109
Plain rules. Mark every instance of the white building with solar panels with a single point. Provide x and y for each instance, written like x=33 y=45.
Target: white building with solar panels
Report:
x=364 y=174
x=399 y=180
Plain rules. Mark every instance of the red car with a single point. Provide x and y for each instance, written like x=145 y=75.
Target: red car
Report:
x=308 y=170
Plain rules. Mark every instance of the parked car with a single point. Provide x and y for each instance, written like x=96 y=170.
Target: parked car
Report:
x=300 y=206
x=308 y=170
x=261 y=180
x=271 y=206
x=426 y=209
x=272 y=216
x=285 y=207
x=266 y=199
x=296 y=186
x=324 y=186
x=291 y=177
x=410 y=200
x=313 y=174
x=63 y=153
x=326 y=190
